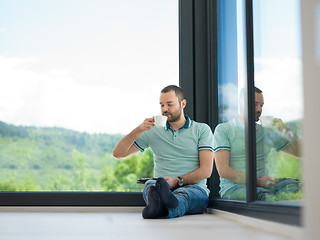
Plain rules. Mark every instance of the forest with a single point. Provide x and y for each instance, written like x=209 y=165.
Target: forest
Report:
x=57 y=159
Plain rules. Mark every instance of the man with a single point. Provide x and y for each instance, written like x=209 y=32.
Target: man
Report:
x=183 y=159
x=229 y=148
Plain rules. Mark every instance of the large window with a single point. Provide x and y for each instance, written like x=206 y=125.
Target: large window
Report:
x=75 y=77
x=278 y=73
x=277 y=65
x=225 y=49
x=258 y=48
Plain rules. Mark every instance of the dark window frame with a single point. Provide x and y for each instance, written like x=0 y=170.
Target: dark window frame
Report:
x=94 y=199
x=204 y=13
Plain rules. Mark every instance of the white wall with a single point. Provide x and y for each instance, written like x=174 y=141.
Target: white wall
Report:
x=310 y=10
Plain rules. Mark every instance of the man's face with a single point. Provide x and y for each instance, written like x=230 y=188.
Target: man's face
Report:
x=171 y=107
x=259 y=102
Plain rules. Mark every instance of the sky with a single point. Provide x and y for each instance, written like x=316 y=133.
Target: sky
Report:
x=277 y=60
x=93 y=66
x=277 y=57
x=98 y=66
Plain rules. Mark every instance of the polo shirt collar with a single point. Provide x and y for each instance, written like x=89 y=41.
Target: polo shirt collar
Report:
x=186 y=125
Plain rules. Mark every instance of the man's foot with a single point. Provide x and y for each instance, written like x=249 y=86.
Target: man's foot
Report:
x=166 y=196
x=154 y=209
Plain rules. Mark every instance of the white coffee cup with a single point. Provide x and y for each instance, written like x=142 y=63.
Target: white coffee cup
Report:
x=160 y=121
x=266 y=121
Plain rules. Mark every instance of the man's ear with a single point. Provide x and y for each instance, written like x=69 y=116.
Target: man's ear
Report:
x=183 y=103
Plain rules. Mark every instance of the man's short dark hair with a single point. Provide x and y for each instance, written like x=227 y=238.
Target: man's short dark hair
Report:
x=241 y=95
x=178 y=91
x=257 y=90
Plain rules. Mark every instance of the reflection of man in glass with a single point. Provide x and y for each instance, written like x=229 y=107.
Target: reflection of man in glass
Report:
x=229 y=147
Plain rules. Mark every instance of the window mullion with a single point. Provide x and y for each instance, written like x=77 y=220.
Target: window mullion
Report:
x=250 y=133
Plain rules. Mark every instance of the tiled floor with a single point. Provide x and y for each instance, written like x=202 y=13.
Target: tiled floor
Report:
x=21 y=225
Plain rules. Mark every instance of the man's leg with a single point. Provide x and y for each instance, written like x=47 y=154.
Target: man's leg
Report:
x=192 y=199
x=166 y=195
x=154 y=207
x=287 y=185
x=147 y=185
x=262 y=193
x=239 y=192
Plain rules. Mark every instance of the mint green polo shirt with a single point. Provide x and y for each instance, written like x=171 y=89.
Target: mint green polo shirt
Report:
x=177 y=152
x=231 y=136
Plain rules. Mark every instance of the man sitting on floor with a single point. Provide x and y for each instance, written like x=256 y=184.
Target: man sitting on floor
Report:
x=183 y=159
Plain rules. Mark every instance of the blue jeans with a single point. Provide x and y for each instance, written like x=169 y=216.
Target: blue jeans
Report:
x=238 y=192
x=192 y=199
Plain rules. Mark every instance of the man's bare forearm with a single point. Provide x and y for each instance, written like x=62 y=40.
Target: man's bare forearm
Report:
x=234 y=175
x=204 y=170
x=224 y=169
x=122 y=149
x=189 y=178
x=195 y=176
x=125 y=147
x=294 y=147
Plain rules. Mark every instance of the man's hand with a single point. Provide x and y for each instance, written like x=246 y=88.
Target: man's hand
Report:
x=279 y=125
x=173 y=182
x=146 y=125
x=265 y=182
x=294 y=147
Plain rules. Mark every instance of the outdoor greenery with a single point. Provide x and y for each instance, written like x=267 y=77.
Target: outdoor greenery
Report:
x=56 y=159
x=283 y=165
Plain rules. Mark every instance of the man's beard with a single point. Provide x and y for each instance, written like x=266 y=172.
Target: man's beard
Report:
x=174 y=117
x=258 y=115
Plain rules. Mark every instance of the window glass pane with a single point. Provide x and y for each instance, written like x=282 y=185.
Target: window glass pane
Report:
x=278 y=73
x=75 y=77
x=229 y=135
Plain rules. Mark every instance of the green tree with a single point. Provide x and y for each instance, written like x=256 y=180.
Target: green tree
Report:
x=109 y=182
x=12 y=186
x=124 y=176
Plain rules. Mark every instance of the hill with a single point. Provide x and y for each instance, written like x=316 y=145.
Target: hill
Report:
x=57 y=159
x=50 y=146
